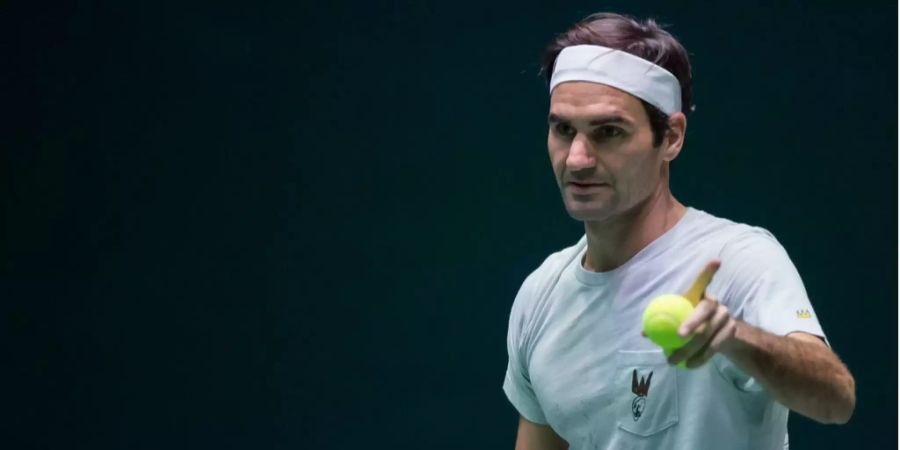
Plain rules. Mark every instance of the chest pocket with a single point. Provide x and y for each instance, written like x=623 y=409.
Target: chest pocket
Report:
x=648 y=399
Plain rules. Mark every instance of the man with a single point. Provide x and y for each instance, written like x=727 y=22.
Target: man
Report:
x=580 y=372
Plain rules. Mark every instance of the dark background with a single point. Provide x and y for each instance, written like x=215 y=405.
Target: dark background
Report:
x=293 y=225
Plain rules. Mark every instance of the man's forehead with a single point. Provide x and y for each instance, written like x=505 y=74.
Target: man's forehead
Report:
x=581 y=98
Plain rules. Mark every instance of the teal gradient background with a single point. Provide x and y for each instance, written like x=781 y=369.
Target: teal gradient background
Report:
x=302 y=224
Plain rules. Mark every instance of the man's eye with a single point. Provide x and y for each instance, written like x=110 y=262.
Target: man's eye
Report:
x=608 y=132
x=564 y=130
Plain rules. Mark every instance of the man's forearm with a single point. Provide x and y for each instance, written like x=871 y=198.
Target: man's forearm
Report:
x=806 y=377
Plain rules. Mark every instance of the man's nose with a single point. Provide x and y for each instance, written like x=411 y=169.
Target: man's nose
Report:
x=581 y=154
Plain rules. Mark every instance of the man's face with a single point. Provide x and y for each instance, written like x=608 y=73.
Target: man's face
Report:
x=601 y=149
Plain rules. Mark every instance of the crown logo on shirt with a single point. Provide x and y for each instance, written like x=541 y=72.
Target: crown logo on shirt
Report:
x=640 y=389
x=804 y=314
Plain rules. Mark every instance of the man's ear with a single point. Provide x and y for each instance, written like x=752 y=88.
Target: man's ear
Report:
x=674 y=136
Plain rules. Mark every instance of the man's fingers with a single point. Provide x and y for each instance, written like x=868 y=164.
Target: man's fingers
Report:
x=704 y=323
x=712 y=347
x=695 y=293
x=726 y=333
x=706 y=339
x=701 y=313
x=687 y=350
x=718 y=320
x=701 y=357
x=701 y=319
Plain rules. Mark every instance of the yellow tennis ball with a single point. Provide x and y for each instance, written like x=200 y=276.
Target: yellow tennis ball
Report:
x=662 y=318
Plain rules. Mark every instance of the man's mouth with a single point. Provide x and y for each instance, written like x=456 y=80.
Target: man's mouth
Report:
x=585 y=187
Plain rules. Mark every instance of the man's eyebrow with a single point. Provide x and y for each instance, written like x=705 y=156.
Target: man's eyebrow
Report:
x=602 y=120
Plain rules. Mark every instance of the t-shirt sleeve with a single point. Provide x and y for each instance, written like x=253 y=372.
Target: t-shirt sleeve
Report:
x=517 y=384
x=763 y=285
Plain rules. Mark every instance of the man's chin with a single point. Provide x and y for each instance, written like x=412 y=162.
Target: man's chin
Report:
x=589 y=214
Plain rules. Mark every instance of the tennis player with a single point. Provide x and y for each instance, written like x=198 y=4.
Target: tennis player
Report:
x=580 y=373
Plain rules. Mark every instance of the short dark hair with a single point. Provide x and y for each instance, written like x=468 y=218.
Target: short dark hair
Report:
x=645 y=39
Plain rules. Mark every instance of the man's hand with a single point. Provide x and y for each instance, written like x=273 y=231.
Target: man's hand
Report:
x=798 y=370
x=711 y=324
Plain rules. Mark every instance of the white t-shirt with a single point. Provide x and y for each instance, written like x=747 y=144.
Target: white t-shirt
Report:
x=578 y=362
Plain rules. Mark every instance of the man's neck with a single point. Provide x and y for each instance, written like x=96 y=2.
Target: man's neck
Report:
x=613 y=242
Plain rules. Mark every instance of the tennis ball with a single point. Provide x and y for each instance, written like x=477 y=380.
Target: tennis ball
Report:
x=662 y=318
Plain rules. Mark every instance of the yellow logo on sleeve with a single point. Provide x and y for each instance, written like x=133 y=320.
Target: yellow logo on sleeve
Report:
x=804 y=314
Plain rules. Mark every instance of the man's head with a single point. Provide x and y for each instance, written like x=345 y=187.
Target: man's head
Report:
x=607 y=137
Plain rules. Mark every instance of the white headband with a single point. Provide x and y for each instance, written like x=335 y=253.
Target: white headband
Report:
x=621 y=70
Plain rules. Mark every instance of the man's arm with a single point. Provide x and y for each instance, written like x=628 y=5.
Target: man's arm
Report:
x=798 y=370
x=532 y=436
